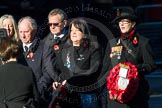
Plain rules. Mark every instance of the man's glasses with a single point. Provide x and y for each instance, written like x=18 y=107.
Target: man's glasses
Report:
x=124 y=22
x=54 y=24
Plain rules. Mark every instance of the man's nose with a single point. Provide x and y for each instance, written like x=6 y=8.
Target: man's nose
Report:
x=22 y=34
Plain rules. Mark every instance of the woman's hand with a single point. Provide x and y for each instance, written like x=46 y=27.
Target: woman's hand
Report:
x=63 y=82
x=57 y=84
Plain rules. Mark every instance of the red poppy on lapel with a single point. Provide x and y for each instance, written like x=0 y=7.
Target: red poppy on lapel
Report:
x=30 y=55
x=56 y=47
x=131 y=37
x=135 y=41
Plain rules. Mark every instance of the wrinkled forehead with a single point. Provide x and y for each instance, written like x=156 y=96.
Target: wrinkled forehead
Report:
x=25 y=24
x=55 y=17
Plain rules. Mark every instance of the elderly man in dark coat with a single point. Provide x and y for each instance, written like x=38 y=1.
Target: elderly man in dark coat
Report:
x=37 y=56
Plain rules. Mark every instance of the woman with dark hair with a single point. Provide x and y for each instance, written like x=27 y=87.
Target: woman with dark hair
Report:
x=17 y=85
x=80 y=63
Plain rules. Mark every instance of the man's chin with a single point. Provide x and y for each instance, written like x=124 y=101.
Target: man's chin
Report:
x=56 y=33
x=26 y=42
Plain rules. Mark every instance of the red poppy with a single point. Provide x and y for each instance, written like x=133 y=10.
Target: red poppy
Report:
x=56 y=47
x=126 y=94
x=30 y=55
x=135 y=41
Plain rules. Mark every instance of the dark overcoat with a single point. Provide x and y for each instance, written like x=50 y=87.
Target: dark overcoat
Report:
x=141 y=56
x=41 y=63
x=17 y=85
x=56 y=46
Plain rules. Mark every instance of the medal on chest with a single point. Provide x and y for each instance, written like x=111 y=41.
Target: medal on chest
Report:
x=68 y=61
x=116 y=51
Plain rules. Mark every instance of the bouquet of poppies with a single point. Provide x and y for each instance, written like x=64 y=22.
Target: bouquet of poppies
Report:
x=123 y=82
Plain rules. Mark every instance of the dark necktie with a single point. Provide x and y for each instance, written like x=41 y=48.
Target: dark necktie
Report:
x=57 y=40
x=26 y=48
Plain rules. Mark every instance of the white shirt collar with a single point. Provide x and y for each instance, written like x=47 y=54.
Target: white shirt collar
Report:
x=28 y=45
x=61 y=35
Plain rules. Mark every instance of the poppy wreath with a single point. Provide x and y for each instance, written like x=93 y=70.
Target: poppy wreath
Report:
x=126 y=94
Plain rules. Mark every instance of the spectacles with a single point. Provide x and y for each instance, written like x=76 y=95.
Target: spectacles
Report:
x=54 y=24
x=124 y=22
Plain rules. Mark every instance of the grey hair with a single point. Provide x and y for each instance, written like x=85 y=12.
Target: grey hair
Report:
x=31 y=21
x=58 y=11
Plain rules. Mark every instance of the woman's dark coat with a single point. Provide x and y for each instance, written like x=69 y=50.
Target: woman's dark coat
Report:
x=17 y=85
x=143 y=59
